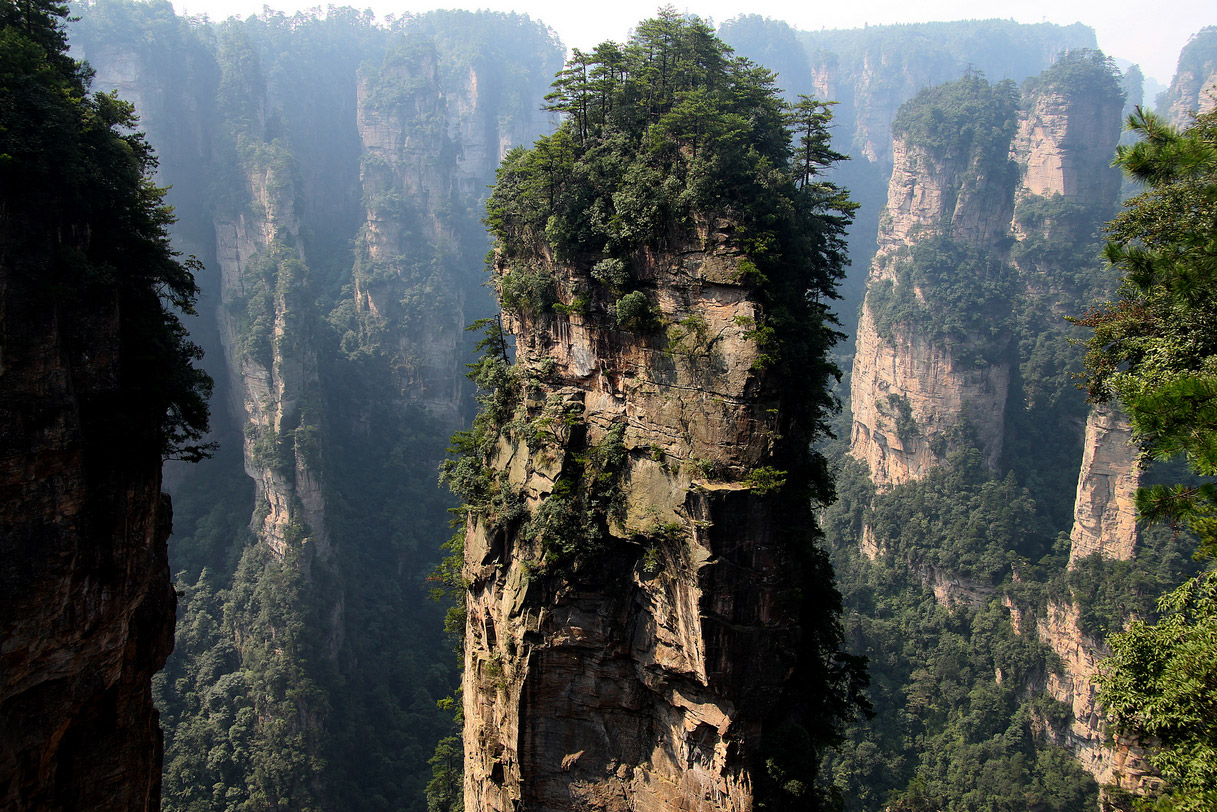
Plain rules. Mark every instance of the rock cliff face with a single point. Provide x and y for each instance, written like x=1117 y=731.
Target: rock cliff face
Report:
x=640 y=679
x=430 y=145
x=1105 y=515
x=87 y=615
x=910 y=391
x=1194 y=88
x=265 y=329
x=1064 y=145
x=1117 y=763
x=940 y=391
x=87 y=611
x=1104 y=524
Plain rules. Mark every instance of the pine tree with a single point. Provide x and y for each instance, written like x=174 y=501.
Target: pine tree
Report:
x=1155 y=351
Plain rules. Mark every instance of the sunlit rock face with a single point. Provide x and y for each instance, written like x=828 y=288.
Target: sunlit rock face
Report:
x=639 y=680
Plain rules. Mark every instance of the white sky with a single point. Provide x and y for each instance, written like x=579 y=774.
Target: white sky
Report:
x=1149 y=33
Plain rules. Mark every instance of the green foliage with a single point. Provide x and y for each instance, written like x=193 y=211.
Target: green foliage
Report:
x=1155 y=351
x=906 y=425
x=95 y=235
x=968 y=120
x=1080 y=74
x=635 y=312
x=444 y=793
x=1160 y=682
x=961 y=519
x=764 y=479
x=659 y=133
x=527 y=291
x=572 y=524
x=241 y=717
x=1109 y=592
x=949 y=290
x=955 y=690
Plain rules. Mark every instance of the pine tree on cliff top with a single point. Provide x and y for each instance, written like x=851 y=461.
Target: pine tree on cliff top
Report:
x=662 y=136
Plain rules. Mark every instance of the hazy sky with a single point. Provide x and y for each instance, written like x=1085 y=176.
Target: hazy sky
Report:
x=1149 y=32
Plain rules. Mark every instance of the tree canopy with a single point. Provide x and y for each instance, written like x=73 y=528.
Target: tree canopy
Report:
x=82 y=222
x=1154 y=350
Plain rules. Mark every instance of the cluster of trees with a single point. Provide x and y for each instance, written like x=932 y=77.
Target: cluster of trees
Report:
x=959 y=712
x=659 y=134
x=1154 y=350
x=97 y=230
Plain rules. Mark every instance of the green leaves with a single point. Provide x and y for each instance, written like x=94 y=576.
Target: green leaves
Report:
x=1161 y=682
x=1155 y=349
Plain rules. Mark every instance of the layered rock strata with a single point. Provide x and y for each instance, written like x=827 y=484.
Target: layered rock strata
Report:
x=911 y=391
x=638 y=676
x=1105 y=512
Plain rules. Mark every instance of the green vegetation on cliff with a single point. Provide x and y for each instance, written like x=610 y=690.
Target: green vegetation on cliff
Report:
x=96 y=231
x=1154 y=350
x=665 y=138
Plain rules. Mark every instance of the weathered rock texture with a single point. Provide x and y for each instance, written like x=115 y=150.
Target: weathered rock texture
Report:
x=1104 y=524
x=940 y=389
x=639 y=680
x=87 y=611
x=272 y=360
x=1115 y=762
x=1105 y=514
x=1062 y=146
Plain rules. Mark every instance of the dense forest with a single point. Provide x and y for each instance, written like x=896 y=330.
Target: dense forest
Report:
x=331 y=172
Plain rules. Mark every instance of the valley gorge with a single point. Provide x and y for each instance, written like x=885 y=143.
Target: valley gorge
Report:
x=651 y=614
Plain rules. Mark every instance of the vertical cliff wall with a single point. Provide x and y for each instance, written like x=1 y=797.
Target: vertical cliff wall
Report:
x=96 y=384
x=926 y=372
x=981 y=243
x=648 y=621
x=1104 y=526
x=87 y=615
x=640 y=681
x=1105 y=515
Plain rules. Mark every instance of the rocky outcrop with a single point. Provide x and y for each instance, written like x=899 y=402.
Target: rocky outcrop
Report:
x=273 y=371
x=910 y=395
x=1064 y=145
x=87 y=611
x=407 y=179
x=638 y=677
x=1113 y=762
x=1105 y=513
x=1104 y=524
x=911 y=391
x=1194 y=88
